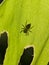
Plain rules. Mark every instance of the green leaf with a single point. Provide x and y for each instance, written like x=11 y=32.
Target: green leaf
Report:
x=14 y=13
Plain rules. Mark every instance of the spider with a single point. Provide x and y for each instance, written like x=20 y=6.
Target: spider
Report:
x=26 y=28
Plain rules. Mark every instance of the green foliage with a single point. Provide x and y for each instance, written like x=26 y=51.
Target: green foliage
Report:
x=14 y=13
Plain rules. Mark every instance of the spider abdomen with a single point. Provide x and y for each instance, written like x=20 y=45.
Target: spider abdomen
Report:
x=27 y=28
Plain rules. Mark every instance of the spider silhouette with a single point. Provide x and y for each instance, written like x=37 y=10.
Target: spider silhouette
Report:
x=26 y=28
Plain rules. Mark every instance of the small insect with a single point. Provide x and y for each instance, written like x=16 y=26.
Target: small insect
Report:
x=27 y=56
x=26 y=28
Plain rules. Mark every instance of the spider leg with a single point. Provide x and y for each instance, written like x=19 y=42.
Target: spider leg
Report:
x=23 y=25
x=27 y=33
x=30 y=31
x=21 y=31
x=22 y=28
x=31 y=27
x=26 y=23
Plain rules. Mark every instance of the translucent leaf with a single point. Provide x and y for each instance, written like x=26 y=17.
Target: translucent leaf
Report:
x=14 y=14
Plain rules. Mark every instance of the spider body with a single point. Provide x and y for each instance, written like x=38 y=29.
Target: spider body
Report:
x=26 y=28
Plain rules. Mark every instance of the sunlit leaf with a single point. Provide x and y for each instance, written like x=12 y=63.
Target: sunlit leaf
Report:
x=14 y=14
